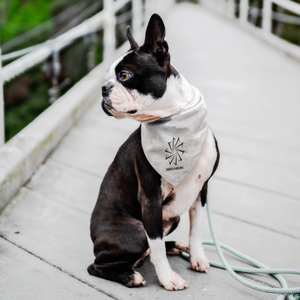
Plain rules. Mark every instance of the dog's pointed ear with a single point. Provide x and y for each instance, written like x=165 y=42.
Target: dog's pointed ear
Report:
x=133 y=44
x=155 y=37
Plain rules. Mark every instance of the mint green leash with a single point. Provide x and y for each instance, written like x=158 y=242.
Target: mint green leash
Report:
x=292 y=293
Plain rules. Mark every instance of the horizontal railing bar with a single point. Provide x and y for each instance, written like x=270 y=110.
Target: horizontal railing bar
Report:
x=119 y=4
x=13 y=55
x=36 y=56
x=19 y=53
x=33 y=58
x=289 y=5
x=276 y=16
x=124 y=17
x=26 y=62
x=86 y=13
x=58 y=19
x=285 y=18
x=93 y=24
x=267 y=14
x=286 y=4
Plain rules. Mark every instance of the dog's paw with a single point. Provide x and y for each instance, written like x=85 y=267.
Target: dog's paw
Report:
x=137 y=279
x=179 y=247
x=172 y=281
x=199 y=263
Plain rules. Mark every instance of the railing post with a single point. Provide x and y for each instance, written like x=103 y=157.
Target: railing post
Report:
x=221 y=6
x=150 y=8
x=215 y=5
x=208 y=4
x=230 y=8
x=136 y=15
x=109 y=40
x=157 y=6
x=244 y=7
x=54 y=91
x=267 y=17
x=2 y=136
x=90 y=40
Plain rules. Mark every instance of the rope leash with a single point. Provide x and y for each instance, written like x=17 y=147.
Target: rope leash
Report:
x=292 y=293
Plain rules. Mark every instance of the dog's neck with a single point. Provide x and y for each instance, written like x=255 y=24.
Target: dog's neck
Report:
x=179 y=94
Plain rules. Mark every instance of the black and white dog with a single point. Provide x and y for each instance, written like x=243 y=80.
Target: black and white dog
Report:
x=137 y=207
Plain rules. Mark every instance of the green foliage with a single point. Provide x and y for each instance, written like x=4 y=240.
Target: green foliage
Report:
x=20 y=115
x=27 y=96
x=19 y=16
x=289 y=32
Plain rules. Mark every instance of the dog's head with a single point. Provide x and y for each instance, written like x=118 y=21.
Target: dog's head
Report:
x=142 y=84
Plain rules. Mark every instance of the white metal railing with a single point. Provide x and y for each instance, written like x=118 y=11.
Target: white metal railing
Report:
x=228 y=8
x=1 y=106
x=105 y=20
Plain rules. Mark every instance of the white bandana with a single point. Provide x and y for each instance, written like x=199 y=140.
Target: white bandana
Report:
x=173 y=144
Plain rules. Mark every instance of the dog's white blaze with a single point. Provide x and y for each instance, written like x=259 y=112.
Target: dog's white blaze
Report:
x=188 y=189
x=111 y=73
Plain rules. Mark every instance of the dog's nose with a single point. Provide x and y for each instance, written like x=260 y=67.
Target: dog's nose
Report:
x=106 y=88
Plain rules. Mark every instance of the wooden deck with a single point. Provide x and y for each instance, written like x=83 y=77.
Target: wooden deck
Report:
x=253 y=96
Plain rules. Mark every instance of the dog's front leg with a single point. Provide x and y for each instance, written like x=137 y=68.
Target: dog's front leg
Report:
x=149 y=195
x=198 y=258
x=166 y=276
x=152 y=220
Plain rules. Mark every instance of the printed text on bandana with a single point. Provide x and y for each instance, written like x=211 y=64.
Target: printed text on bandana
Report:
x=174 y=168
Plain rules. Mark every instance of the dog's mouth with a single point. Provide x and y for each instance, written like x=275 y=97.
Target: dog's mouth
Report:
x=131 y=112
x=106 y=107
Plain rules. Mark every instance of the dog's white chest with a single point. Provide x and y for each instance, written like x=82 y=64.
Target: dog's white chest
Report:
x=185 y=193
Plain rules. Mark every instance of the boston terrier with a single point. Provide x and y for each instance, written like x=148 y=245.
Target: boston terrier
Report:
x=161 y=171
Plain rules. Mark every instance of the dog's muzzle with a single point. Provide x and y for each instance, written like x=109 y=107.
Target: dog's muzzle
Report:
x=106 y=89
x=106 y=103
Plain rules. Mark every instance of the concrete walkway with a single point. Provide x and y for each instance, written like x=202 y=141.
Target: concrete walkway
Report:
x=253 y=96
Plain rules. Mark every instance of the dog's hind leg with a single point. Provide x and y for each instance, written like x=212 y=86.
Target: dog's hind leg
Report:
x=116 y=254
x=125 y=276
x=175 y=248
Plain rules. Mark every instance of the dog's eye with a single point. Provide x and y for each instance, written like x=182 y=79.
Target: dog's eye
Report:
x=124 y=75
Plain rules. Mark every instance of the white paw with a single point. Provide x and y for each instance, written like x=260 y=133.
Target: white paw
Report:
x=138 y=279
x=199 y=263
x=172 y=281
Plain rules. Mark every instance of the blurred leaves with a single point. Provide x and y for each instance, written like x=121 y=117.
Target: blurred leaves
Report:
x=27 y=96
x=19 y=16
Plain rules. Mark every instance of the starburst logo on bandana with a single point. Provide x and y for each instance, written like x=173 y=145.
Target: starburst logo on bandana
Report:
x=174 y=151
